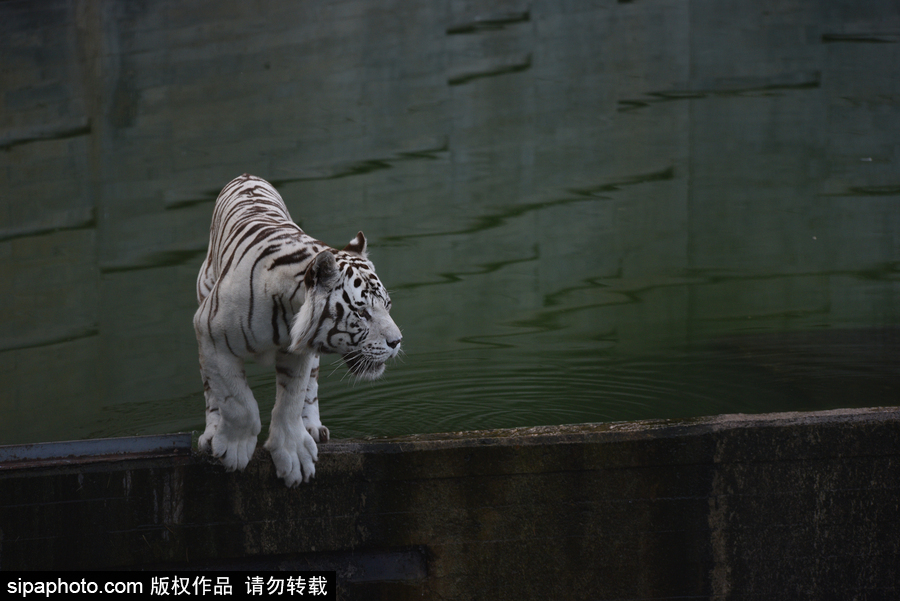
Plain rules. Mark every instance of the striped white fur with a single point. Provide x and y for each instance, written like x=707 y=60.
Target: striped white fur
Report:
x=270 y=292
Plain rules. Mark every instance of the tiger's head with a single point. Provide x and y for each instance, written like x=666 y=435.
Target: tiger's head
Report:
x=346 y=310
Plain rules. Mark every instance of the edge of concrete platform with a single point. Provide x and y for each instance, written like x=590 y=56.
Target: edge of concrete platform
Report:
x=787 y=504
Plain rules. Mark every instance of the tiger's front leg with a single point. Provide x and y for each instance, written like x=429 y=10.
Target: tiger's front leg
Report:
x=311 y=420
x=292 y=447
x=232 y=415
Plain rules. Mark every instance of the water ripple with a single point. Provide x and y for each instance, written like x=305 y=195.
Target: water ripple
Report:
x=488 y=388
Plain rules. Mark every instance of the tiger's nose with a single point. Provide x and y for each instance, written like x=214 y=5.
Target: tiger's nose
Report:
x=394 y=343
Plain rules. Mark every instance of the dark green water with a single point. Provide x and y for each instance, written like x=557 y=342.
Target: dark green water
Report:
x=583 y=211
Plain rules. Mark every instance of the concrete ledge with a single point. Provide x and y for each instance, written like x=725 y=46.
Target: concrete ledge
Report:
x=798 y=505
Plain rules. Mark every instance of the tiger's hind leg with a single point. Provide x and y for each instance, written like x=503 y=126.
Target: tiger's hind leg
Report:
x=292 y=447
x=311 y=420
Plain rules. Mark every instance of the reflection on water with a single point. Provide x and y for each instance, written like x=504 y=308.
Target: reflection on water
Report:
x=584 y=213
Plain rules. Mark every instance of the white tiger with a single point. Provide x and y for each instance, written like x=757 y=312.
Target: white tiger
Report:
x=270 y=292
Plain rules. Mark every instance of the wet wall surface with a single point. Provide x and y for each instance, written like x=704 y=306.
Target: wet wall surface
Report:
x=584 y=212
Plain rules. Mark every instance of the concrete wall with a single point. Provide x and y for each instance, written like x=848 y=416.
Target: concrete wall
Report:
x=730 y=507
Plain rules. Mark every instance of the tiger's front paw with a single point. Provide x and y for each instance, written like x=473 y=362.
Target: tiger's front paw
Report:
x=295 y=458
x=233 y=447
x=234 y=454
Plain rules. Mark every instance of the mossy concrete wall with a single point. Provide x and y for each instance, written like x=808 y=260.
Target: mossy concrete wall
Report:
x=731 y=507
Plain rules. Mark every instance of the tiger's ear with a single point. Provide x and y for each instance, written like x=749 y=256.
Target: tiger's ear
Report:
x=357 y=245
x=322 y=272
